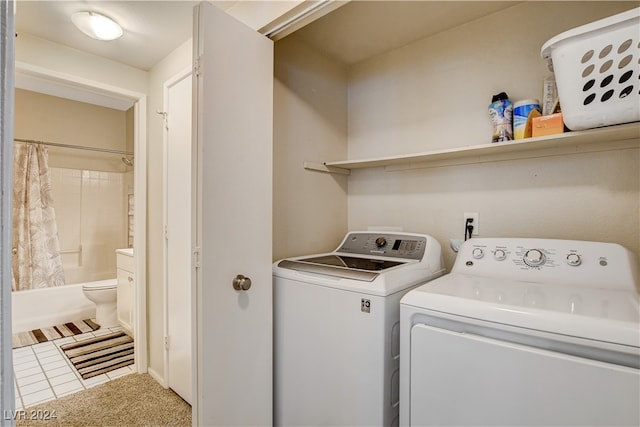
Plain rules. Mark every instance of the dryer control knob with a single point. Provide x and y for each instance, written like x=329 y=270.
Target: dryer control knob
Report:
x=499 y=254
x=477 y=253
x=534 y=257
x=574 y=259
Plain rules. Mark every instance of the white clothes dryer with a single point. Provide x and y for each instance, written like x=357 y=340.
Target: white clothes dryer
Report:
x=337 y=328
x=524 y=332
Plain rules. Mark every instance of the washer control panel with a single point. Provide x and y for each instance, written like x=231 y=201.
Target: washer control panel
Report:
x=559 y=261
x=395 y=245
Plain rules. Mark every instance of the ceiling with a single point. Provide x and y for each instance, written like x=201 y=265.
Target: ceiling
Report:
x=363 y=29
x=153 y=29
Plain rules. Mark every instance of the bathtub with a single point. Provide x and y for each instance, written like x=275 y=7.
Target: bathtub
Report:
x=40 y=308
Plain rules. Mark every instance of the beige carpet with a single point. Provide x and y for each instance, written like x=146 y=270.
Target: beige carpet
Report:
x=132 y=400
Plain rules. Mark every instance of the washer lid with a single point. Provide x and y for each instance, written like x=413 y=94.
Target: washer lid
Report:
x=596 y=314
x=365 y=269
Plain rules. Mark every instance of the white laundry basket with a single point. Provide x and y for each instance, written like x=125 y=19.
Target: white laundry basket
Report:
x=597 y=71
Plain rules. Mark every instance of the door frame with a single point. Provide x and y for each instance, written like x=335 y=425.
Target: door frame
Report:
x=7 y=58
x=185 y=73
x=139 y=101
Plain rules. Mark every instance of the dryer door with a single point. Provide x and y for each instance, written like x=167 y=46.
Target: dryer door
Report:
x=464 y=379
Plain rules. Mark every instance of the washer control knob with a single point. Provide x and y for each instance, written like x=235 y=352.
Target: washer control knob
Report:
x=477 y=253
x=381 y=241
x=534 y=257
x=574 y=259
x=499 y=254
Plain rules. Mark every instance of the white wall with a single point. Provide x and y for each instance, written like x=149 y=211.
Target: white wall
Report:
x=310 y=123
x=50 y=118
x=434 y=94
x=61 y=59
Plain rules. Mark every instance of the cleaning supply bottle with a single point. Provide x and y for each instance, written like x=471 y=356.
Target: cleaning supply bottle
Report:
x=501 y=113
x=522 y=116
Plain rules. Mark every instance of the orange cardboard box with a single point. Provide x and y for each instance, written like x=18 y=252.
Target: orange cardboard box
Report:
x=547 y=125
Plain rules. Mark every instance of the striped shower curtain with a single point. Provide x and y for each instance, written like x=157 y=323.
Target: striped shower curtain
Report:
x=36 y=262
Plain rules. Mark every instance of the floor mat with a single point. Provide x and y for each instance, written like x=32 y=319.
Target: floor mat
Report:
x=23 y=339
x=101 y=354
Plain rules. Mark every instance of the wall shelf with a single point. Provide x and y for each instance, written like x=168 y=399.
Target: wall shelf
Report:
x=619 y=137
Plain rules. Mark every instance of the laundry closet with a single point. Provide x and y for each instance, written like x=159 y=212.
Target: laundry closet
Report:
x=379 y=108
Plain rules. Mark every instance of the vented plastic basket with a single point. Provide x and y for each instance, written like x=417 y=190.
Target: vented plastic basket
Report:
x=597 y=69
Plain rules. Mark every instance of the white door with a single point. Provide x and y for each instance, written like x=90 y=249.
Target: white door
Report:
x=233 y=101
x=178 y=151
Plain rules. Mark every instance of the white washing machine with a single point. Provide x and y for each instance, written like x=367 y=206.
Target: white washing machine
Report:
x=524 y=332
x=337 y=328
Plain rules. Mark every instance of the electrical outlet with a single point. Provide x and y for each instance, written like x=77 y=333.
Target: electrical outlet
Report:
x=475 y=223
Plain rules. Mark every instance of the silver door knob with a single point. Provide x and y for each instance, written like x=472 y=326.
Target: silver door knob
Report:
x=241 y=283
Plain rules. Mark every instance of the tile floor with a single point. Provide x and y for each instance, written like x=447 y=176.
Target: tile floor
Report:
x=43 y=373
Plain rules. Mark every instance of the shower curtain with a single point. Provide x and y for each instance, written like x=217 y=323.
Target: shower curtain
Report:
x=36 y=262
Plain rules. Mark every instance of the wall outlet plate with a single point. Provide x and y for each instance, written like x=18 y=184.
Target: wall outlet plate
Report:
x=475 y=223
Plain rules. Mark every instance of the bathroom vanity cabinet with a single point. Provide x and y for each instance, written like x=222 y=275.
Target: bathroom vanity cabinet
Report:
x=126 y=290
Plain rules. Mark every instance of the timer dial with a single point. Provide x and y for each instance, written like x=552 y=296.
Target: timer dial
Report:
x=534 y=257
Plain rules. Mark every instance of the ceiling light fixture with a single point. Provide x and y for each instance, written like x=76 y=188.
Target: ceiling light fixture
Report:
x=97 y=26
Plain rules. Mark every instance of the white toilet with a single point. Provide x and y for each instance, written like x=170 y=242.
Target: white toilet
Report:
x=103 y=294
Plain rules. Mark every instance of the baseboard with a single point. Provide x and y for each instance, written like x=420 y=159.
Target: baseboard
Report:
x=159 y=378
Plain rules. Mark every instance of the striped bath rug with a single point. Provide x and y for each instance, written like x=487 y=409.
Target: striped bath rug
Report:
x=102 y=354
x=23 y=339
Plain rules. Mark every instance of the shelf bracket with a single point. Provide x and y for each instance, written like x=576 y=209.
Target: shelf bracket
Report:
x=321 y=167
